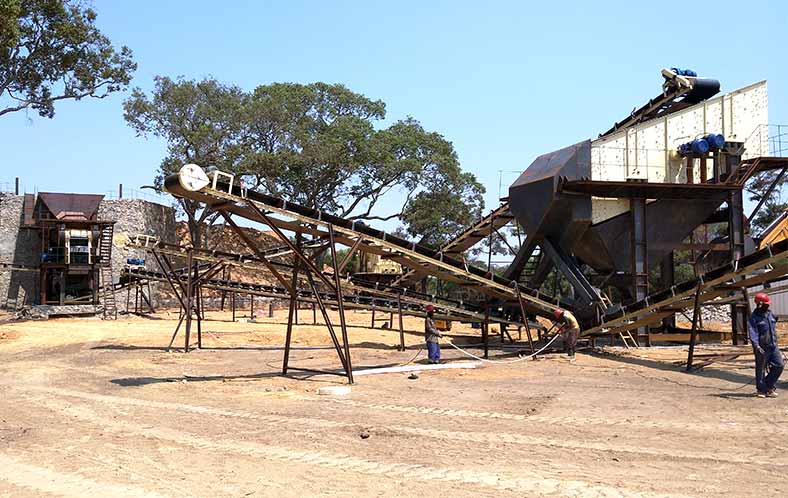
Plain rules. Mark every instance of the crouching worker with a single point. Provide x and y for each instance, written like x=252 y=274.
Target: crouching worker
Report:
x=570 y=330
x=762 y=329
x=432 y=336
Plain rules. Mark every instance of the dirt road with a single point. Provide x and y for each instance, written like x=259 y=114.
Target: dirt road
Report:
x=94 y=408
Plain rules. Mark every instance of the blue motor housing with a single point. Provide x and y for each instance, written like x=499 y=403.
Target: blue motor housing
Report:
x=698 y=146
x=684 y=72
x=715 y=140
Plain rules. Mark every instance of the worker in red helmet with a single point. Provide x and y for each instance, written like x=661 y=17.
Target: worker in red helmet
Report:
x=569 y=329
x=762 y=329
x=432 y=336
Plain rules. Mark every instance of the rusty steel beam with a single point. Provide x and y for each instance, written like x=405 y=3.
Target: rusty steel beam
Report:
x=716 y=283
x=245 y=238
x=375 y=241
x=411 y=297
x=471 y=236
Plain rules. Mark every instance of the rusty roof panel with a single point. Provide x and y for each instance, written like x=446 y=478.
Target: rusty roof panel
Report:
x=72 y=207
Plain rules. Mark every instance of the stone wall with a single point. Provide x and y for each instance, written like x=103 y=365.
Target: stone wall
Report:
x=138 y=217
x=18 y=246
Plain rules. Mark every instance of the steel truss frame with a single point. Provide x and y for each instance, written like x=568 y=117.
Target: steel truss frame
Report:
x=735 y=277
x=356 y=292
x=258 y=207
x=336 y=230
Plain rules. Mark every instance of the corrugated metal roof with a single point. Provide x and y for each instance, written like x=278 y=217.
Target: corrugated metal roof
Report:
x=71 y=207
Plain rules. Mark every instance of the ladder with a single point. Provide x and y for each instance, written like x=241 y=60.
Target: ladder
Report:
x=626 y=338
x=107 y=285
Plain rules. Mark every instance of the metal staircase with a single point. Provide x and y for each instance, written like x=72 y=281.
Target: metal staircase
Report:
x=529 y=270
x=105 y=269
x=482 y=229
x=746 y=169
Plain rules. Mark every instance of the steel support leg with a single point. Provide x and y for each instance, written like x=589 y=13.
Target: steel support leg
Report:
x=327 y=319
x=372 y=324
x=694 y=332
x=199 y=310
x=569 y=269
x=668 y=280
x=524 y=317
x=166 y=270
x=189 y=299
x=401 y=328
x=486 y=330
x=291 y=310
x=340 y=304
x=736 y=238
x=639 y=267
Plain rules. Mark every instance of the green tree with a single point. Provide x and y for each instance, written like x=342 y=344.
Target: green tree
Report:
x=314 y=144
x=51 y=50
x=201 y=123
x=309 y=143
x=775 y=203
x=444 y=208
x=317 y=145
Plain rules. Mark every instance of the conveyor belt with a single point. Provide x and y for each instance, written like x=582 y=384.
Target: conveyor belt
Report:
x=467 y=239
x=459 y=310
x=678 y=92
x=258 y=207
x=410 y=305
x=768 y=264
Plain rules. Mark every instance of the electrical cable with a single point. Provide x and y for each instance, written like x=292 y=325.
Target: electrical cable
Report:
x=523 y=358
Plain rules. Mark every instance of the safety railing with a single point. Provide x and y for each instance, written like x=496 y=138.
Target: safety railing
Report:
x=769 y=140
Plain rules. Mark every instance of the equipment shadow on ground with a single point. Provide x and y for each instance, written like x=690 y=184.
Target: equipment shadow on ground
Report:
x=145 y=381
x=725 y=375
x=179 y=349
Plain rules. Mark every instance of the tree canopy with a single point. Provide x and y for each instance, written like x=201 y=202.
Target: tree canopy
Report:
x=51 y=50
x=320 y=145
x=774 y=203
x=201 y=123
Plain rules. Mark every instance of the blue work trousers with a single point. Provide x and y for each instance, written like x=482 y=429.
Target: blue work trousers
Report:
x=434 y=351
x=773 y=358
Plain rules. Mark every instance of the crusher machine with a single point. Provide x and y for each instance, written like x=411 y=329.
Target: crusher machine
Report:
x=607 y=212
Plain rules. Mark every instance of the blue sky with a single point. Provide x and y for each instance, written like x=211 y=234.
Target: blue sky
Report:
x=504 y=81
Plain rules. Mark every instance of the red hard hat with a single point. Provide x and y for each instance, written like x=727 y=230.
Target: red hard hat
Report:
x=430 y=308
x=558 y=312
x=762 y=298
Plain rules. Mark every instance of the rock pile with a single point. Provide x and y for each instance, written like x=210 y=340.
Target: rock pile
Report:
x=721 y=313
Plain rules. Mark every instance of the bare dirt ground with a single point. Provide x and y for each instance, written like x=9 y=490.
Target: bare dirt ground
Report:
x=93 y=408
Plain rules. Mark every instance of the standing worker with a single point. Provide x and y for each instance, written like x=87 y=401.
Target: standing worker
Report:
x=570 y=330
x=431 y=335
x=762 y=329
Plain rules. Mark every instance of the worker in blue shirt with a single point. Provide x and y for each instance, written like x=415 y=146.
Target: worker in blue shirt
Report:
x=762 y=329
x=432 y=336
